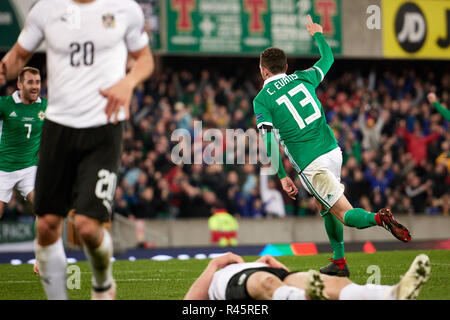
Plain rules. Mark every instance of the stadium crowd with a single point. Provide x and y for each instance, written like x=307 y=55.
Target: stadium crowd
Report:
x=396 y=147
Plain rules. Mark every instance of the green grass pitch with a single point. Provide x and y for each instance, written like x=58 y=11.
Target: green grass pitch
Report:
x=170 y=280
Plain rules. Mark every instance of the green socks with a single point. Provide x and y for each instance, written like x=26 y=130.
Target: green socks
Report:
x=335 y=232
x=359 y=218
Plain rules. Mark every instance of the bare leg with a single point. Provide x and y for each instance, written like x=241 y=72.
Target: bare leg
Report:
x=319 y=205
x=30 y=199
x=297 y=279
x=49 y=229
x=333 y=285
x=90 y=230
x=265 y=286
x=340 y=208
x=261 y=285
x=2 y=208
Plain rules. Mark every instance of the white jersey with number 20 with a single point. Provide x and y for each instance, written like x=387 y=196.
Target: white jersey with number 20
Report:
x=86 y=47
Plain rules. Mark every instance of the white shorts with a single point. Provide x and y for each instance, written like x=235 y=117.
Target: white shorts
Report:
x=218 y=287
x=23 y=180
x=322 y=178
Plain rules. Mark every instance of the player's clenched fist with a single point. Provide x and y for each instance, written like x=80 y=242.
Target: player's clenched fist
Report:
x=289 y=187
x=313 y=27
x=432 y=97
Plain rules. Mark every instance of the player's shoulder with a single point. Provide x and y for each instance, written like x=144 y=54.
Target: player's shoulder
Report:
x=260 y=97
x=46 y=4
x=6 y=103
x=6 y=99
x=128 y=5
x=42 y=9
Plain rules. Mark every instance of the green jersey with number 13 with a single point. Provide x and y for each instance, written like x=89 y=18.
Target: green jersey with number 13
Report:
x=289 y=104
x=20 y=132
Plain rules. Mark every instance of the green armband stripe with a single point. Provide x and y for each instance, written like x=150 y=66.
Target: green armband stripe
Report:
x=321 y=72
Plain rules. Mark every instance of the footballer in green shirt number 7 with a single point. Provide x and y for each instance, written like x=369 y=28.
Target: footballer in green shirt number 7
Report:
x=21 y=117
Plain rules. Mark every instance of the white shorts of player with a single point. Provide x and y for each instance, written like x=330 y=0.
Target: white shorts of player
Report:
x=218 y=287
x=322 y=178
x=23 y=180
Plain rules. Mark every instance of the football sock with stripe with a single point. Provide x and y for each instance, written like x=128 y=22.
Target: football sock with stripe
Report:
x=360 y=218
x=100 y=262
x=355 y=291
x=335 y=232
x=289 y=293
x=52 y=269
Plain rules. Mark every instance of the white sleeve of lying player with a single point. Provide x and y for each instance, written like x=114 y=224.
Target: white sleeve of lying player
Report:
x=136 y=38
x=33 y=33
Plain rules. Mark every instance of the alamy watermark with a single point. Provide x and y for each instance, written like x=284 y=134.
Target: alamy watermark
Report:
x=375 y=274
x=226 y=146
x=73 y=280
x=374 y=19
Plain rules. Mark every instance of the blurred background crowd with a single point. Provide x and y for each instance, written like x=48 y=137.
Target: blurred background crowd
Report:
x=396 y=146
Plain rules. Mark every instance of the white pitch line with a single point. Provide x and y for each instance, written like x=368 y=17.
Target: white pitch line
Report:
x=117 y=280
x=154 y=279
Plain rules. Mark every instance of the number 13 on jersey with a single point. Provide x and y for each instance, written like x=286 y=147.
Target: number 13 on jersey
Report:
x=308 y=99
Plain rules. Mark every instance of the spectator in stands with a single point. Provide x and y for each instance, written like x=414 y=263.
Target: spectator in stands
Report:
x=444 y=157
x=271 y=197
x=371 y=127
x=417 y=192
x=416 y=142
x=120 y=202
x=357 y=187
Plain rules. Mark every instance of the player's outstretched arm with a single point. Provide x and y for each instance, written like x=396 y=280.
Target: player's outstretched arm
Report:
x=121 y=93
x=13 y=62
x=443 y=111
x=199 y=289
x=326 y=59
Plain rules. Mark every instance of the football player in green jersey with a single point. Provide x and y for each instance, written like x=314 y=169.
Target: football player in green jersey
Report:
x=21 y=117
x=288 y=110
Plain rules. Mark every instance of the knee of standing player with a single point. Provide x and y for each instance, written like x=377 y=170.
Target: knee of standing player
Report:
x=47 y=223
x=86 y=227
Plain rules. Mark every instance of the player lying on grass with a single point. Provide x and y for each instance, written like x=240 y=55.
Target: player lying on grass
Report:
x=228 y=277
x=287 y=109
